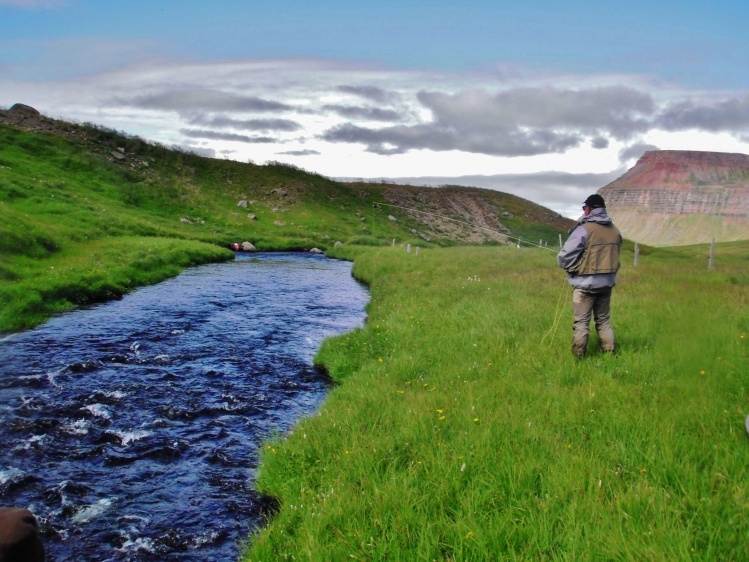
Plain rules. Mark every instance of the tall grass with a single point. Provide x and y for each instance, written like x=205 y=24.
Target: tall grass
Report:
x=463 y=428
x=33 y=289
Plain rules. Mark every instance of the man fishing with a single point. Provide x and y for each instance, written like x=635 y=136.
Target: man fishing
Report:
x=591 y=259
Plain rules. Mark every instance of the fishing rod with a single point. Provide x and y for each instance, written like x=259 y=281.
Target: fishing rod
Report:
x=473 y=225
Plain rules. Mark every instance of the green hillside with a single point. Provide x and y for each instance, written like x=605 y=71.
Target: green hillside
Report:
x=89 y=213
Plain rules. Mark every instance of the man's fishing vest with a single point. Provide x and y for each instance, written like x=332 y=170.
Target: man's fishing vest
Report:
x=601 y=254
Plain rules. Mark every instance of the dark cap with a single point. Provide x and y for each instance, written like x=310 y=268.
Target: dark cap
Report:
x=594 y=201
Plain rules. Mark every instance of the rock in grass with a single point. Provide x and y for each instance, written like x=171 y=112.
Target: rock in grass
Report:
x=19 y=536
x=27 y=110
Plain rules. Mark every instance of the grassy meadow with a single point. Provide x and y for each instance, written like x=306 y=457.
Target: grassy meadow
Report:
x=461 y=427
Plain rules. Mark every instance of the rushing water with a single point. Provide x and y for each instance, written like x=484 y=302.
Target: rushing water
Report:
x=132 y=428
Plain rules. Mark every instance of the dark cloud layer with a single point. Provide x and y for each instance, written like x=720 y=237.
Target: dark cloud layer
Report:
x=617 y=110
x=433 y=136
x=366 y=113
x=518 y=122
x=372 y=93
x=727 y=115
x=203 y=100
x=215 y=135
x=300 y=153
x=265 y=125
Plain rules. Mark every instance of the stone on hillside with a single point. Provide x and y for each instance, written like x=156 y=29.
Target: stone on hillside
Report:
x=279 y=223
x=118 y=155
x=243 y=203
x=252 y=216
x=392 y=218
x=248 y=247
x=338 y=244
x=185 y=220
x=25 y=110
x=316 y=251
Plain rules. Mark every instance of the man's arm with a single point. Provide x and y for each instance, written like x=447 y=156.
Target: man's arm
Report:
x=573 y=248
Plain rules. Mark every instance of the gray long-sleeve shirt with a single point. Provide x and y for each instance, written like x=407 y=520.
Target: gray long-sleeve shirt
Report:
x=573 y=250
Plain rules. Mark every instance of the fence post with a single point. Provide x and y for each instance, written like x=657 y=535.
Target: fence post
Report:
x=417 y=250
x=637 y=252
x=393 y=242
x=560 y=241
x=712 y=255
x=519 y=239
x=408 y=248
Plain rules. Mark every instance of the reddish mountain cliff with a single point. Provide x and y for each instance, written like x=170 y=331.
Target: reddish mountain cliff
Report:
x=674 y=197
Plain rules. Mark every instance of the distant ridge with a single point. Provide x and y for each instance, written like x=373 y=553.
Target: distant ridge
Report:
x=679 y=197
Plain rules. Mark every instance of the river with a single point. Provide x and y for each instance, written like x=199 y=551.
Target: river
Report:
x=132 y=428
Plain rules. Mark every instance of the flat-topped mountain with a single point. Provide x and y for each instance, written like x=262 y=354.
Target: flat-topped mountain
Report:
x=678 y=197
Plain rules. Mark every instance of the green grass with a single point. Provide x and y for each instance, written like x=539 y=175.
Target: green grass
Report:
x=463 y=429
x=31 y=290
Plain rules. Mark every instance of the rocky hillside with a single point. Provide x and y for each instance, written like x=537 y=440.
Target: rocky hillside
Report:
x=674 y=197
x=470 y=215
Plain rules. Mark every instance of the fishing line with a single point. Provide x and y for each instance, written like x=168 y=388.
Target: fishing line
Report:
x=557 y=317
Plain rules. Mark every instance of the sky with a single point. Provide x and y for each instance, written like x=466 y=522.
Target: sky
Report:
x=548 y=100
